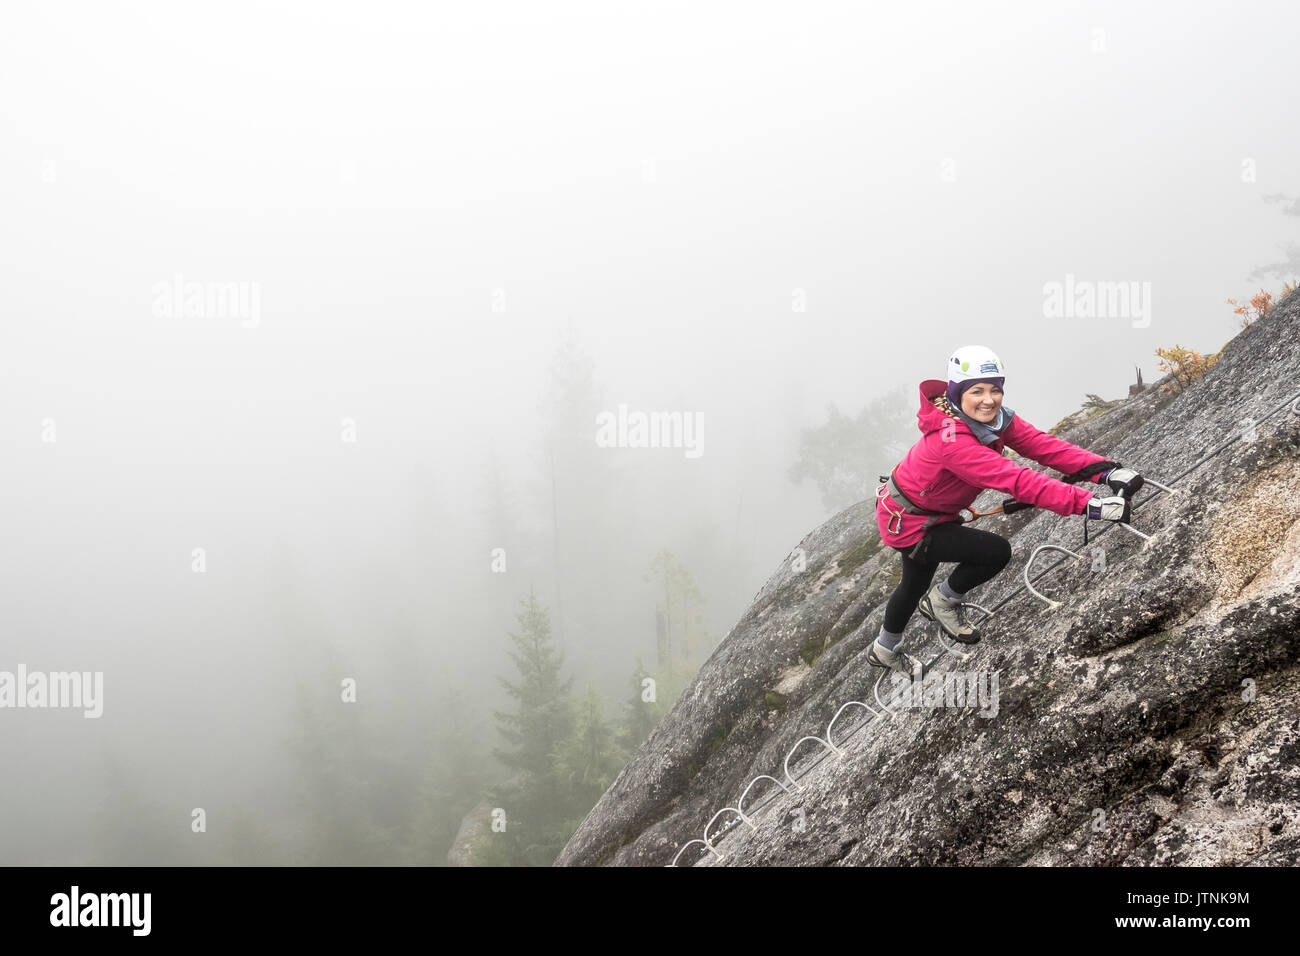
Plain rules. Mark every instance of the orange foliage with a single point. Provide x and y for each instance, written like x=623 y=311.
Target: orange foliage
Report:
x=1261 y=303
x=1187 y=365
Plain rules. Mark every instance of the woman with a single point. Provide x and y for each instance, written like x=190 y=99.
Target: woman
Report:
x=964 y=426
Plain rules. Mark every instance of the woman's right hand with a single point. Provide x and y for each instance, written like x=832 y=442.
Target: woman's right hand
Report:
x=1113 y=508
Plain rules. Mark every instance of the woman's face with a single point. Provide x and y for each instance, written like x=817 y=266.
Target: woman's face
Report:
x=982 y=401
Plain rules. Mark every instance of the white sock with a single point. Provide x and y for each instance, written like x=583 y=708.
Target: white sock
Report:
x=946 y=590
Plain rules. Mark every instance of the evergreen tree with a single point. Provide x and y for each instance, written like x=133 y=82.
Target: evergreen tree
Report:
x=845 y=456
x=582 y=490
x=336 y=762
x=589 y=760
x=450 y=785
x=535 y=800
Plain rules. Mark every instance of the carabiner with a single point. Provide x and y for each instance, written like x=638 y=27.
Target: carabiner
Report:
x=882 y=497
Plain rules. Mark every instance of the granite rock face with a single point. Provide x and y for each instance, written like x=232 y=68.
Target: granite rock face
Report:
x=1152 y=717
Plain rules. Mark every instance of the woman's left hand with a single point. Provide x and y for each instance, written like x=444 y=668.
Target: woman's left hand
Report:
x=1124 y=481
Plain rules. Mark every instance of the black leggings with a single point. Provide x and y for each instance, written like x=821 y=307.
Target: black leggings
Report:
x=981 y=556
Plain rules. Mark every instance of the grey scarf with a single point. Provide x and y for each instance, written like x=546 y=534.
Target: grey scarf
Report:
x=988 y=434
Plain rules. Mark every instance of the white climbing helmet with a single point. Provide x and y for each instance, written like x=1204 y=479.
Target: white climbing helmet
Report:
x=974 y=361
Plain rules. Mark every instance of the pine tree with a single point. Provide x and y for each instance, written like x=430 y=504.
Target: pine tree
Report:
x=450 y=785
x=581 y=486
x=336 y=762
x=588 y=761
x=535 y=800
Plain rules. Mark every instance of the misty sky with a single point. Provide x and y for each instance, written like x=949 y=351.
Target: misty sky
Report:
x=428 y=198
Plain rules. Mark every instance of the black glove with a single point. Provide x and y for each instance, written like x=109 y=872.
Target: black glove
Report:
x=1124 y=481
x=1114 y=508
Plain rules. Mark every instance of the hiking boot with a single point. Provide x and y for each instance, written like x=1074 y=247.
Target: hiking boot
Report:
x=949 y=615
x=895 y=660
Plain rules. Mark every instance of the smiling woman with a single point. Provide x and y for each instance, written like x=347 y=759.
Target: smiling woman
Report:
x=964 y=428
x=982 y=401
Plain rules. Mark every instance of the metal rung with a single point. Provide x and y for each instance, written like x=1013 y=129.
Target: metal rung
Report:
x=687 y=844
x=853 y=703
x=1173 y=491
x=720 y=813
x=1030 y=562
x=929 y=667
x=831 y=747
x=762 y=776
x=1128 y=527
x=889 y=710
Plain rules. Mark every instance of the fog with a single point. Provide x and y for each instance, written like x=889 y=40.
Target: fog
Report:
x=309 y=308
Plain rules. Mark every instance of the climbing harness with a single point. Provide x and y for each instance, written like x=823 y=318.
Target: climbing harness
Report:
x=888 y=493
x=961 y=651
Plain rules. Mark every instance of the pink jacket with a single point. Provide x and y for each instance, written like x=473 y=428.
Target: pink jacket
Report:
x=948 y=467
